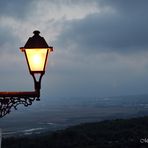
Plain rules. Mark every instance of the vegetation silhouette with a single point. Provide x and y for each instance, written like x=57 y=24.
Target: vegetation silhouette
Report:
x=119 y=133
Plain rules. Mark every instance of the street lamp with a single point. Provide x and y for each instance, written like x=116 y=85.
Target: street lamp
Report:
x=36 y=51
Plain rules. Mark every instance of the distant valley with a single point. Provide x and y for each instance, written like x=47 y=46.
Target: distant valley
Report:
x=61 y=113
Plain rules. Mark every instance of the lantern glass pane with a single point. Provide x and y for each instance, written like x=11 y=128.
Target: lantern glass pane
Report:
x=36 y=58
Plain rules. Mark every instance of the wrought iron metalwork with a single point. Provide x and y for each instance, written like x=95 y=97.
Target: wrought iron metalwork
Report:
x=9 y=100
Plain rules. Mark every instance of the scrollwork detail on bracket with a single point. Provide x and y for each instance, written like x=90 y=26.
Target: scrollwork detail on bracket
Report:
x=7 y=103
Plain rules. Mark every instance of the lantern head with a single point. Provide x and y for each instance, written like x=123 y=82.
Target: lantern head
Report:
x=36 y=52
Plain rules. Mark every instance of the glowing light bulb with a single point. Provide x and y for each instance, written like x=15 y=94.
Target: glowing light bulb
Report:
x=36 y=59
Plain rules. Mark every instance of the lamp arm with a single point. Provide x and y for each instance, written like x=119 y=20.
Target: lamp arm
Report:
x=9 y=100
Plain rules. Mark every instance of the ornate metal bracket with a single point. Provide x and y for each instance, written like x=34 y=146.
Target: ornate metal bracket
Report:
x=10 y=100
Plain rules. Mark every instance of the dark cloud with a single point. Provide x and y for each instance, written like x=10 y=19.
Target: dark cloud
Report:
x=123 y=29
x=129 y=7
x=120 y=27
x=14 y=8
x=7 y=40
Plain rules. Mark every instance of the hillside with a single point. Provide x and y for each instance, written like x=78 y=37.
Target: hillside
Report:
x=121 y=133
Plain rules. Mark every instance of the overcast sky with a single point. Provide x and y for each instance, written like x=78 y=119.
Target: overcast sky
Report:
x=100 y=46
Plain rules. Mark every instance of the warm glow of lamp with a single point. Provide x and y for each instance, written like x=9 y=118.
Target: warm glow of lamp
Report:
x=37 y=59
x=36 y=52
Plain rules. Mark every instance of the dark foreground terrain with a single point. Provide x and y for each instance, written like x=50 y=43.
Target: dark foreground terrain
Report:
x=120 y=133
